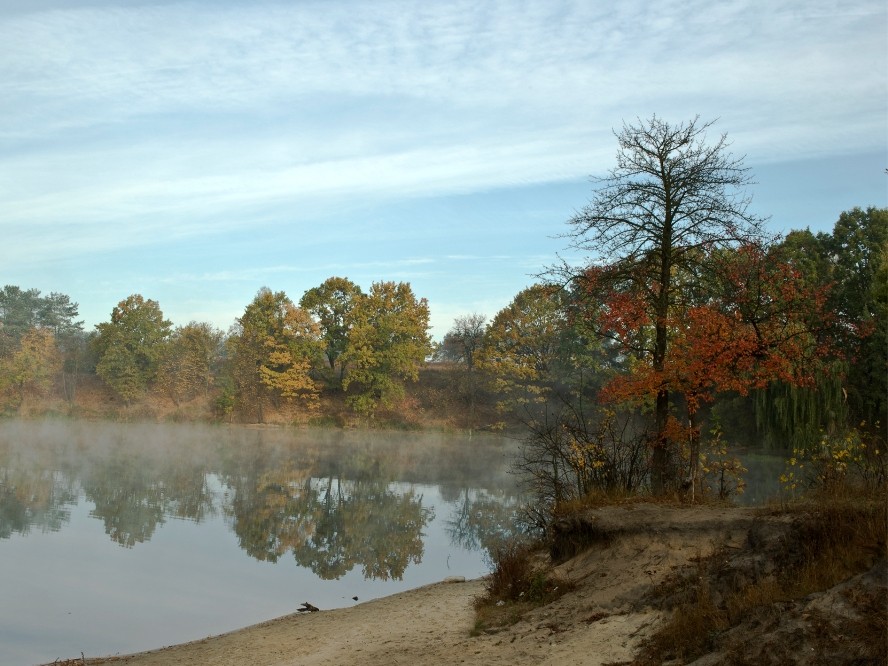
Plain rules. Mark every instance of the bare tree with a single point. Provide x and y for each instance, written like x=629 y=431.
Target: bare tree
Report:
x=671 y=197
x=464 y=339
x=460 y=345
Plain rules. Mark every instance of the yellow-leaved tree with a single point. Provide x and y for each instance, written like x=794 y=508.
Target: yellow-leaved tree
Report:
x=186 y=366
x=30 y=369
x=273 y=349
x=521 y=345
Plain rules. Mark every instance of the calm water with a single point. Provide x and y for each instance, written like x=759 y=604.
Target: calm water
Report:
x=762 y=477
x=118 y=537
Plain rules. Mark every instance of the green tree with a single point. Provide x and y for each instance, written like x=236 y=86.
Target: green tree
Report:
x=851 y=390
x=670 y=195
x=273 y=349
x=523 y=339
x=330 y=303
x=388 y=342
x=18 y=315
x=130 y=346
x=857 y=249
x=57 y=313
x=522 y=345
x=22 y=310
x=790 y=415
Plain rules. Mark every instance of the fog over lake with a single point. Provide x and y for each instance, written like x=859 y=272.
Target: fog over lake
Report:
x=124 y=537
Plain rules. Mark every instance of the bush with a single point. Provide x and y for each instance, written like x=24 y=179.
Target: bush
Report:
x=840 y=462
x=515 y=577
x=569 y=455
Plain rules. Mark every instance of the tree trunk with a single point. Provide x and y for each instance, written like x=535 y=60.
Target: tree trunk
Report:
x=694 y=440
x=660 y=457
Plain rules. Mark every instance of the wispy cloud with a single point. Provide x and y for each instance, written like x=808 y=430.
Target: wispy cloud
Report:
x=251 y=275
x=196 y=119
x=270 y=92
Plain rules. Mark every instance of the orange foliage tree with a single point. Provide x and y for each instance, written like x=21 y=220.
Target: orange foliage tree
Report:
x=755 y=322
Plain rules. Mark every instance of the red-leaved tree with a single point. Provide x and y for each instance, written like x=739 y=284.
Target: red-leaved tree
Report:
x=750 y=321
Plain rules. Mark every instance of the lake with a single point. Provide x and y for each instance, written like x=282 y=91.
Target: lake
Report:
x=117 y=538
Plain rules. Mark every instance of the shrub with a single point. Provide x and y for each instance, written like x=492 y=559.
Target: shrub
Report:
x=569 y=455
x=515 y=577
x=838 y=463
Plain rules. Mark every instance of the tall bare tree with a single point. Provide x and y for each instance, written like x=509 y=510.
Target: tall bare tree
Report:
x=671 y=195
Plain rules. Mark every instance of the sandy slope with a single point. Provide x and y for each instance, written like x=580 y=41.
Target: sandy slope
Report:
x=600 y=622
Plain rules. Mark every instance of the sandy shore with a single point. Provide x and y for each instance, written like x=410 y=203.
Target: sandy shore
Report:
x=600 y=622
x=429 y=625
x=416 y=627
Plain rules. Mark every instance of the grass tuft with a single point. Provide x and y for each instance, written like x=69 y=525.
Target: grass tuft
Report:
x=520 y=581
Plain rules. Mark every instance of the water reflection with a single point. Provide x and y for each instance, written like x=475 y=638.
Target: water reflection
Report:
x=333 y=501
x=329 y=525
x=34 y=499
x=762 y=477
x=482 y=521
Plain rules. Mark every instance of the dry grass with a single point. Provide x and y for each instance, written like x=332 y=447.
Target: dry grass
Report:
x=827 y=540
x=693 y=624
x=429 y=403
x=520 y=581
x=870 y=629
x=838 y=538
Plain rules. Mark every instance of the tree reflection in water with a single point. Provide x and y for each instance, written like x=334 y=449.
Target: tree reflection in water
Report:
x=134 y=493
x=482 y=521
x=33 y=494
x=364 y=523
x=33 y=499
x=330 y=525
x=335 y=502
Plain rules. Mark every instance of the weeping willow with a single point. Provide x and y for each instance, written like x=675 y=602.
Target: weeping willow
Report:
x=795 y=417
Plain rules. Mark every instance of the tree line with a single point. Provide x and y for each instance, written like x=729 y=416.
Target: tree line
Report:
x=277 y=354
x=686 y=325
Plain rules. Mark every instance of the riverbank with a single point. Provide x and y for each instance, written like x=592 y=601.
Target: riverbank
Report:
x=602 y=621
x=432 y=402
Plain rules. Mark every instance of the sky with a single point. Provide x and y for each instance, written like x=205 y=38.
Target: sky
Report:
x=194 y=152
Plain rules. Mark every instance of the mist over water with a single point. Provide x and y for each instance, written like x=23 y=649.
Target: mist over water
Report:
x=124 y=537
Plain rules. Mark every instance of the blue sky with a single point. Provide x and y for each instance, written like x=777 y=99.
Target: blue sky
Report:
x=194 y=152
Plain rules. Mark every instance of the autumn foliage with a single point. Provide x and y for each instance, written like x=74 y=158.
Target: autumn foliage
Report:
x=757 y=323
x=761 y=324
